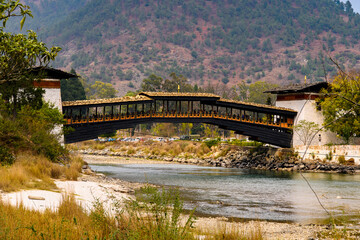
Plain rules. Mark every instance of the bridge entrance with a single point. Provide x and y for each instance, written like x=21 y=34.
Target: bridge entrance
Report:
x=91 y=118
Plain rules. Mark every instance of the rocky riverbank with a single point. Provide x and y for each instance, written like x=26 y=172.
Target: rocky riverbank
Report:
x=262 y=158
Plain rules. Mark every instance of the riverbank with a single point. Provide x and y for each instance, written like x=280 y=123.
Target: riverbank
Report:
x=94 y=187
x=260 y=158
x=270 y=230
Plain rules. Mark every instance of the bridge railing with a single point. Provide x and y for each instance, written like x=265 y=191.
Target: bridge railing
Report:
x=172 y=114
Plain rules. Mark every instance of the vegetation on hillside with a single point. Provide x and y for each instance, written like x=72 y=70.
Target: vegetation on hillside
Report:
x=213 y=42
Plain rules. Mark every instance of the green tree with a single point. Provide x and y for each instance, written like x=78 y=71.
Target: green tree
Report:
x=19 y=54
x=256 y=92
x=306 y=130
x=185 y=128
x=152 y=84
x=341 y=107
x=172 y=84
x=72 y=89
x=100 y=90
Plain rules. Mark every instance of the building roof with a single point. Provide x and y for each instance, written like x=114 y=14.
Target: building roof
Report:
x=126 y=99
x=52 y=73
x=300 y=88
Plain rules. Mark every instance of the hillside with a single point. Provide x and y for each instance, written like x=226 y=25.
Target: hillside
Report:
x=215 y=42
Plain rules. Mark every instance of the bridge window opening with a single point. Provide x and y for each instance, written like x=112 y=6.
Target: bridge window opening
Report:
x=196 y=106
x=158 y=106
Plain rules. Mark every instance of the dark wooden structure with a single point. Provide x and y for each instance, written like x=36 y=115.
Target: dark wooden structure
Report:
x=91 y=118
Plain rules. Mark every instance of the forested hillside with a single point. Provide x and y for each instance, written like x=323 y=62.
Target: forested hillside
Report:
x=215 y=42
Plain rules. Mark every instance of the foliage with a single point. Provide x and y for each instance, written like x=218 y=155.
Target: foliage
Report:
x=6 y=156
x=212 y=142
x=18 y=55
x=174 y=84
x=185 y=128
x=24 y=52
x=256 y=92
x=100 y=90
x=246 y=36
x=164 y=209
x=11 y=8
x=164 y=129
x=340 y=106
x=72 y=89
x=341 y=159
x=32 y=130
x=306 y=130
x=152 y=84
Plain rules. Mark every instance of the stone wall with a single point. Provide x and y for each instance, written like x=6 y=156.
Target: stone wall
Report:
x=324 y=152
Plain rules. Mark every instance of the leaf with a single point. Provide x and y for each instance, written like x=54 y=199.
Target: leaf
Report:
x=22 y=22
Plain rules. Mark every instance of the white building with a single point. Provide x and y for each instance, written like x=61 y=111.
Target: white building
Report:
x=301 y=98
x=50 y=83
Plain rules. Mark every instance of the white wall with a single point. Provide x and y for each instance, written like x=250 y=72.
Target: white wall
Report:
x=307 y=111
x=53 y=95
x=321 y=152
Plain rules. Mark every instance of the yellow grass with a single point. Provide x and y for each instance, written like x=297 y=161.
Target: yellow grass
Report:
x=230 y=231
x=30 y=171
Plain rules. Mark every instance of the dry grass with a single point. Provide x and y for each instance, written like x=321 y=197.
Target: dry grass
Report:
x=30 y=171
x=231 y=231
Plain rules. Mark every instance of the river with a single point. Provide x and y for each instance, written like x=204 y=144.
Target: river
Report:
x=249 y=194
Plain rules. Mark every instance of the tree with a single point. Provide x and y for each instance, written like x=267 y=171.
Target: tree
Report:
x=100 y=90
x=256 y=92
x=306 y=130
x=185 y=128
x=10 y=8
x=152 y=84
x=171 y=85
x=26 y=123
x=19 y=54
x=341 y=107
x=72 y=89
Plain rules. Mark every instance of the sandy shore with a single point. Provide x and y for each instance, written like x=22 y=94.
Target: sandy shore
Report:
x=99 y=159
x=97 y=187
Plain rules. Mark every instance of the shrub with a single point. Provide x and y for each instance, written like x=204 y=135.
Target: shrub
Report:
x=341 y=159
x=6 y=157
x=351 y=161
x=212 y=142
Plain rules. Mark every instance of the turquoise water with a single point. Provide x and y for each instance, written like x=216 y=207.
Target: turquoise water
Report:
x=249 y=194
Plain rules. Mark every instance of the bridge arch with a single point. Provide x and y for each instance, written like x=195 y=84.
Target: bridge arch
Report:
x=91 y=118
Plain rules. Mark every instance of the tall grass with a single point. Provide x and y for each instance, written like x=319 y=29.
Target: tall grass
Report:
x=36 y=171
x=157 y=219
x=231 y=231
x=156 y=215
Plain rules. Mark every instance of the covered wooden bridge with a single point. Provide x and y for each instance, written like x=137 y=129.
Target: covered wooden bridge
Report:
x=91 y=118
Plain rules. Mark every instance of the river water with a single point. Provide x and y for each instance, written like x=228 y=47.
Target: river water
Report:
x=249 y=194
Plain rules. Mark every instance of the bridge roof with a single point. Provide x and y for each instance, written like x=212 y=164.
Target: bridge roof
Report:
x=127 y=99
x=254 y=106
x=300 y=88
x=181 y=96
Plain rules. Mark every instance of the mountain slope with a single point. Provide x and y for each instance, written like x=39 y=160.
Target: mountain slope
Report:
x=210 y=42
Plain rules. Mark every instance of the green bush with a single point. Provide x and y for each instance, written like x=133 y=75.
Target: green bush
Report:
x=212 y=142
x=32 y=130
x=6 y=157
x=341 y=159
